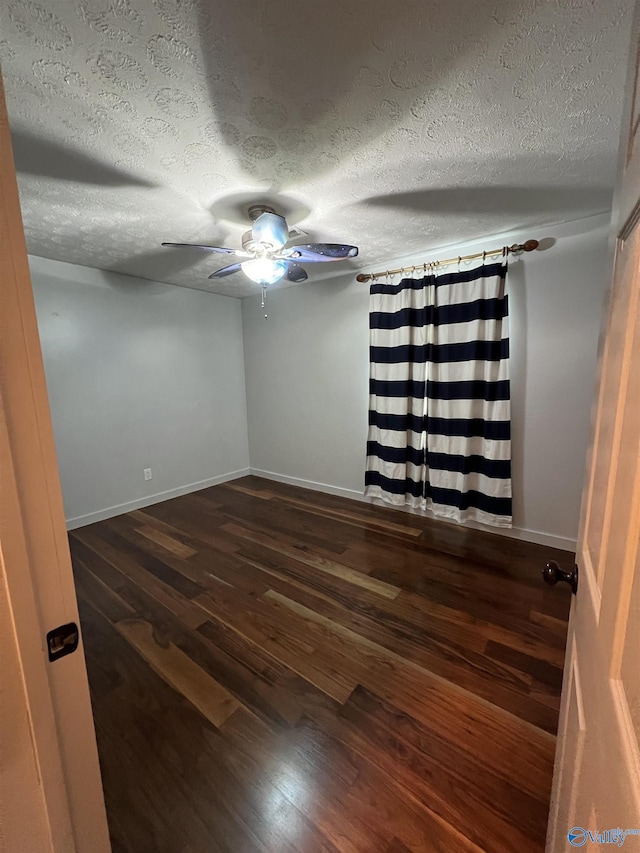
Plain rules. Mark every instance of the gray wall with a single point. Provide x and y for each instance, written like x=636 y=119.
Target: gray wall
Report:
x=146 y=375
x=306 y=371
x=140 y=375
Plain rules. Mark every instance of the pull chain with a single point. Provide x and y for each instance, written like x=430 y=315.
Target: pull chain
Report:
x=264 y=300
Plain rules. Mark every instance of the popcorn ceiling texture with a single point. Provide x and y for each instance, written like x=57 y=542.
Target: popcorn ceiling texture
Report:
x=397 y=126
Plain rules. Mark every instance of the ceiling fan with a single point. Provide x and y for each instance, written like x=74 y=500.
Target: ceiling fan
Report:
x=267 y=258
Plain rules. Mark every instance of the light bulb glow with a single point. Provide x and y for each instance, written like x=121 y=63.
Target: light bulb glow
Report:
x=270 y=230
x=264 y=270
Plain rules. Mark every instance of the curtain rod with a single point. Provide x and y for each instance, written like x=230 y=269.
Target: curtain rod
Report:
x=516 y=249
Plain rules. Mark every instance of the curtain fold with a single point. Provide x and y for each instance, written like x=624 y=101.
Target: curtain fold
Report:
x=439 y=406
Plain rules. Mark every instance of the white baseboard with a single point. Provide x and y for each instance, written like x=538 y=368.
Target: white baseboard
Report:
x=149 y=500
x=564 y=543
x=538 y=537
x=310 y=484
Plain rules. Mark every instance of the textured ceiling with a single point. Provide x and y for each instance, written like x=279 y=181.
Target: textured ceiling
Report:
x=396 y=126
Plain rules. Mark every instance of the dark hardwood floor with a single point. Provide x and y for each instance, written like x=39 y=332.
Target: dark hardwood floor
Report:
x=274 y=669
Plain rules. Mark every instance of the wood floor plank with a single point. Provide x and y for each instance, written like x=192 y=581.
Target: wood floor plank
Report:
x=263 y=494
x=540 y=670
x=280 y=827
x=205 y=566
x=346 y=831
x=470 y=670
x=173 y=546
x=498 y=785
x=287 y=647
x=122 y=537
x=242 y=509
x=138 y=722
x=195 y=519
x=460 y=714
x=109 y=559
x=546 y=695
x=454 y=801
x=105 y=600
x=330 y=567
x=418 y=829
x=458 y=622
x=177 y=669
x=298 y=540
x=403 y=672
x=282 y=671
x=144 y=517
x=358 y=519
x=553 y=625
x=457 y=664
x=259 y=689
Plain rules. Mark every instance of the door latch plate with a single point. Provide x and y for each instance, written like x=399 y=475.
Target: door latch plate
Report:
x=62 y=640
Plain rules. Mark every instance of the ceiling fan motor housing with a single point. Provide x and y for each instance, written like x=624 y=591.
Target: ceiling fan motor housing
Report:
x=257 y=210
x=254 y=212
x=270 y=232
x=248 y=243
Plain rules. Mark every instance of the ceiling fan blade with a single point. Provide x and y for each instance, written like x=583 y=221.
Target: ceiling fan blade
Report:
x=226 y=271
x=295 y=273
x=321 y=252
x=220 y=249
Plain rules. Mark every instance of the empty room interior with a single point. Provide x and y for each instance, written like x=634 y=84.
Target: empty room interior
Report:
x=319 y=291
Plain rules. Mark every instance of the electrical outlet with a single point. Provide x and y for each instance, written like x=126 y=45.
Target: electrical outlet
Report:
x=147 y=473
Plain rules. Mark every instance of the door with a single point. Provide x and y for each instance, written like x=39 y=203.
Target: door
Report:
x=596 y=790
x=50 y=789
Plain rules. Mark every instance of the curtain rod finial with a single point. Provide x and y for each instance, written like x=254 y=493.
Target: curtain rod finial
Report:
x=527 y=246
x=362 y=277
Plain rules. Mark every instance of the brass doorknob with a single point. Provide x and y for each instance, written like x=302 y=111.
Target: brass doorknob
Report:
x=552 y=573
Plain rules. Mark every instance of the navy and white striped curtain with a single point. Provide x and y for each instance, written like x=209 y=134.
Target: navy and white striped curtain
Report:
x=439 y=412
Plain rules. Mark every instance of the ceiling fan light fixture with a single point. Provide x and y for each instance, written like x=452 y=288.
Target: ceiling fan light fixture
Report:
x=271 y=231
x=268 y=258
x=264 y=270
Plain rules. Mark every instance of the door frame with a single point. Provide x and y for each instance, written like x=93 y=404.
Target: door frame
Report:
x=36 y=578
